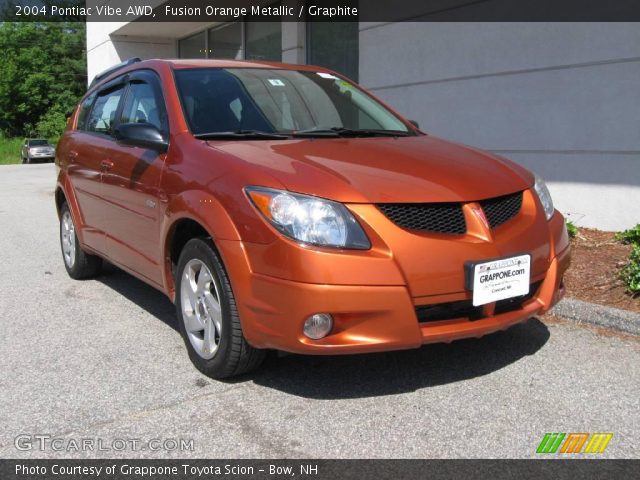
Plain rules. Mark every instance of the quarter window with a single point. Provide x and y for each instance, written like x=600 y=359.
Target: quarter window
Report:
x=103 y=114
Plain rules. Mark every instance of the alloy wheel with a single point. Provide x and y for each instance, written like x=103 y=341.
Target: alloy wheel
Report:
x=201 y=308
x=68 y=237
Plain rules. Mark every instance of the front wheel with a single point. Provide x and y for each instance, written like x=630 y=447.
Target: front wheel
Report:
x=78 y=263
x=208 y=316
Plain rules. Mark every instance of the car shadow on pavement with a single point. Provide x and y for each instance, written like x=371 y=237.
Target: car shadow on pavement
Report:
x=367 y=375
x=391 y=373
x=138 y=292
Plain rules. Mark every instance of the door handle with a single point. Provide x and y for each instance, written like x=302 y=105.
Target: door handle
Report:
x=106 y=165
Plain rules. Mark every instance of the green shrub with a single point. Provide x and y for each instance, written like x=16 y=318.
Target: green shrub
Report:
x=631 y=235
x=631 y=273
x=572 y=230
x=52 y=124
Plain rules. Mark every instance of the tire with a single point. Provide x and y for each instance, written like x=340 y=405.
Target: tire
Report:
x=78 y=263
x=207 y=314
x=28 y=161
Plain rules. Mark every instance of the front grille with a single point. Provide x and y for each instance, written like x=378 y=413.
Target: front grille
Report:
x=501 y=209
x=465 y=308
x=448 y=217
x=430 y=217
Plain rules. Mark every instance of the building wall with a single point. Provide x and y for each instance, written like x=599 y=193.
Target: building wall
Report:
x=106 y=46
x=559 y=98
x=105 y=49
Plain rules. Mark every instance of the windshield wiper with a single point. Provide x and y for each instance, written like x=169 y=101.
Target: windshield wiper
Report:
x=242 y=134
x=347 y=132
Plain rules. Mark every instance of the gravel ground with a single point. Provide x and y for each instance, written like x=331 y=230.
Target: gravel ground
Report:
x=101 y=359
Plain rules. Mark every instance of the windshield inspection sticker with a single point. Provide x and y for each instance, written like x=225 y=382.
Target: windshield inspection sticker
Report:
x=276 y=82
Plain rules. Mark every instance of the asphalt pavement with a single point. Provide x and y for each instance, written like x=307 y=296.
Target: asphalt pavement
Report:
x=102 y=360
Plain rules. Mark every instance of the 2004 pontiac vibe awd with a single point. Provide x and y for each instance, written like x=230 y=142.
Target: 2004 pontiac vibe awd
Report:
x=284 y=207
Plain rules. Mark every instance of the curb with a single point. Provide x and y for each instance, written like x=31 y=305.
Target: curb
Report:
x=584 y=312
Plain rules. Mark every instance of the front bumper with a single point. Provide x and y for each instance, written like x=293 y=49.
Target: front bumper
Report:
x=373 y=317
x=41 y=156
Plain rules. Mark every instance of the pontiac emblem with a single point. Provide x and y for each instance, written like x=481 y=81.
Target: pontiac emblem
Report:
x=480 y=214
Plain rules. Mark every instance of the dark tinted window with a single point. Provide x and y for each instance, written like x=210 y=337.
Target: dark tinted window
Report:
x=226 y=41
x=84 y=111
x=38 y=143
x=141 y=106
x=192 y=47
x=334 y=45
x=263 y=41
x=103 y=114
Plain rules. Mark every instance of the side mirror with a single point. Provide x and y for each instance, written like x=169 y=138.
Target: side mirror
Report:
x=415 y=124
x=143 y=135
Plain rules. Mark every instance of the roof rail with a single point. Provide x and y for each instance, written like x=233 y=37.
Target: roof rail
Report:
x=115 y=68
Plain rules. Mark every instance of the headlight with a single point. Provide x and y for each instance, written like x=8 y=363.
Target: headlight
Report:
x=545 y=197
x=309 y=219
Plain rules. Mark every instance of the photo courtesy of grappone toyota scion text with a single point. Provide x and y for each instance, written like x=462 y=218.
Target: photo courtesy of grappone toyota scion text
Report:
x=283 y=207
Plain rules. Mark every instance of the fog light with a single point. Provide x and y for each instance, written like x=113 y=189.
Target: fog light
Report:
x=318 y=326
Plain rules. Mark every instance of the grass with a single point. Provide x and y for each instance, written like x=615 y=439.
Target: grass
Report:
x=10 y=150
x=572 y=230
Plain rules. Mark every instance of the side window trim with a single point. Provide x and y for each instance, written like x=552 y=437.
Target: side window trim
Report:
x=148 y=76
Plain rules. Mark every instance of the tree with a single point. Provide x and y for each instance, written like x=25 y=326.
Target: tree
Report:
x=43 y=75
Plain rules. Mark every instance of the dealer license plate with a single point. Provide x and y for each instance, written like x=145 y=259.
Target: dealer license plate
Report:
x=499 y=279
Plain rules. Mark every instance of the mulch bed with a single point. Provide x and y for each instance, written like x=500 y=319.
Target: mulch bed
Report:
x=597 y=258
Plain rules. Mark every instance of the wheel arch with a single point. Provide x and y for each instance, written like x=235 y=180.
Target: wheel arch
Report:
x=64 y=193
x=60 y=198
x=192 y=215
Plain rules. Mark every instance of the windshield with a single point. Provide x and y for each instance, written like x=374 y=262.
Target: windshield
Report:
x=38 y=143
x=276 y=101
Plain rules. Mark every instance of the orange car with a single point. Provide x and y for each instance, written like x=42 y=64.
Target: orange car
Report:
x=284 y=207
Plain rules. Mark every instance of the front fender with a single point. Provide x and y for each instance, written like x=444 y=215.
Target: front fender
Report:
x=202 y=208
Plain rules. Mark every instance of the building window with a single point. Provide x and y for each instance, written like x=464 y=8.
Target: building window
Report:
x=235 y=40
x=192 y=47
x=334 y=45
x=226 y=41
x=264 y=41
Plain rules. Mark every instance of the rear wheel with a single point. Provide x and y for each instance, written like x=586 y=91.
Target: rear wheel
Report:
x=208 y=316
x=78 y=263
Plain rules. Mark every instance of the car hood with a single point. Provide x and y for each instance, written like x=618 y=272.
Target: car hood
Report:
x=381 y=169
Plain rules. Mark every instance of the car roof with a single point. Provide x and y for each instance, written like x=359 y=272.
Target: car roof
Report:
x=200 y=63
x=183 y=63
